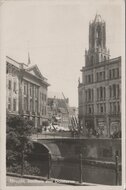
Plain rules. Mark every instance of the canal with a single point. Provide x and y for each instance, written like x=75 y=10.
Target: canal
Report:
x=71 y=171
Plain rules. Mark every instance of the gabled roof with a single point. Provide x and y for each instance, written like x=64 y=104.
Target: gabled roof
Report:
x=34 y=70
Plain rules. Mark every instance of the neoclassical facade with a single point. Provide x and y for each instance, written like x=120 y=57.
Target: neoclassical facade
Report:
x=99 y=91
x=26 y=91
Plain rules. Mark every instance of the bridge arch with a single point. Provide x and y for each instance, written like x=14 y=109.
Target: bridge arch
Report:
x=46 y=148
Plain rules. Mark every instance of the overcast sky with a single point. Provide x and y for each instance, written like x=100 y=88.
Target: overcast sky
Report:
x=55 y=33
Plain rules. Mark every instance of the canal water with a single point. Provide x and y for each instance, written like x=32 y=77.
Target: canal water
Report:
x=71 y=171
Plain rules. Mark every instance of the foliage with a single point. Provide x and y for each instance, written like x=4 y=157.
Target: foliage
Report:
x=28 y=169
x=18 y=143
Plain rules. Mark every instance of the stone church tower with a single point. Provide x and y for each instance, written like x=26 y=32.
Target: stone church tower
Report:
x=99 y=93
x=97 y=42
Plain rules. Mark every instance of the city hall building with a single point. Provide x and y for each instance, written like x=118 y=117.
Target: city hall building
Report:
x=99 y=91
x=26 y=91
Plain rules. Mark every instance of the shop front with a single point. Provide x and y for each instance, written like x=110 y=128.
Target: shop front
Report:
x=115 y=126
x=101 y=127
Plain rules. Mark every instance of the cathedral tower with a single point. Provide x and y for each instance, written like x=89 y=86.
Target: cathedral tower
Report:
x=97 y=42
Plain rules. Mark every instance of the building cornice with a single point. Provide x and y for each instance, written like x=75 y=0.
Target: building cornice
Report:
x=102 y=64
x=25 y=71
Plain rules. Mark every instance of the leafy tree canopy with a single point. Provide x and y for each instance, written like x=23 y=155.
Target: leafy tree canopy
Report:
x=18 y=142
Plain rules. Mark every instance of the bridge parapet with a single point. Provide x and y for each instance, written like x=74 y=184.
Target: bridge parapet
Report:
x=97 y=149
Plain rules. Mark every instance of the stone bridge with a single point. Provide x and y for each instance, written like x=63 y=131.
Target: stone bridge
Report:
x=96 y=149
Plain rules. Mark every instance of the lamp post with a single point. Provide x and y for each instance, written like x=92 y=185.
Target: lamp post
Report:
x=81 y=169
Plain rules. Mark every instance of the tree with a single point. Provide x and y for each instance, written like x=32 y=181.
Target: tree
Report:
x=18 y=143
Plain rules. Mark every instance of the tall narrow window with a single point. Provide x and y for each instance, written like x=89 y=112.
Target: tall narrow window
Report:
x=89 y=91
x=114 y=107
x=101 y=93
x=110 y=76
x=42 y=110
x=9 y=103
x=118 y=105
x=97 y=93
x=45 y=97
x=104 y=93
x=31 y=106
x=14 y=86
x=45 y=110
x=36 y=92
x=14 y=104
x=25 y=104
x=92 y=78
x=102 y=109
x=86 y=79
x=110 y=92
x=86 y=95
x=100 y=76
x=9 y=84
x=89 y=109
x=89 y=78
x=92 y=95
x=92 y=60
x=30 y=90
x=113 y=73
x=110 y=107
x=103 y=75
x=117 y=72
x=25 y=88
x=101 y=57
x=97 y=108
x=97 y=77
x=36 y=106
x=114 y=90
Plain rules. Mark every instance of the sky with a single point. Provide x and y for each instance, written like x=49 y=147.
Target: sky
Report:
x=55 y=33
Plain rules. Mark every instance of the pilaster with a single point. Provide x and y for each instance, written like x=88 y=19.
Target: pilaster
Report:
x=28 y=96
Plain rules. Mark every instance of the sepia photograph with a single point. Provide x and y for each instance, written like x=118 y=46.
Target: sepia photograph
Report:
x=63 y=100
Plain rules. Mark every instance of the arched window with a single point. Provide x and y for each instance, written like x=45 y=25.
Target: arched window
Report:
x=104 y=58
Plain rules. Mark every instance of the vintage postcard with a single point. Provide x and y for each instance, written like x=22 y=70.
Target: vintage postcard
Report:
x=62 y=97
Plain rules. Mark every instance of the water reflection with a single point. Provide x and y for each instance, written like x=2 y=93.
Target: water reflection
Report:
x=71 y=171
